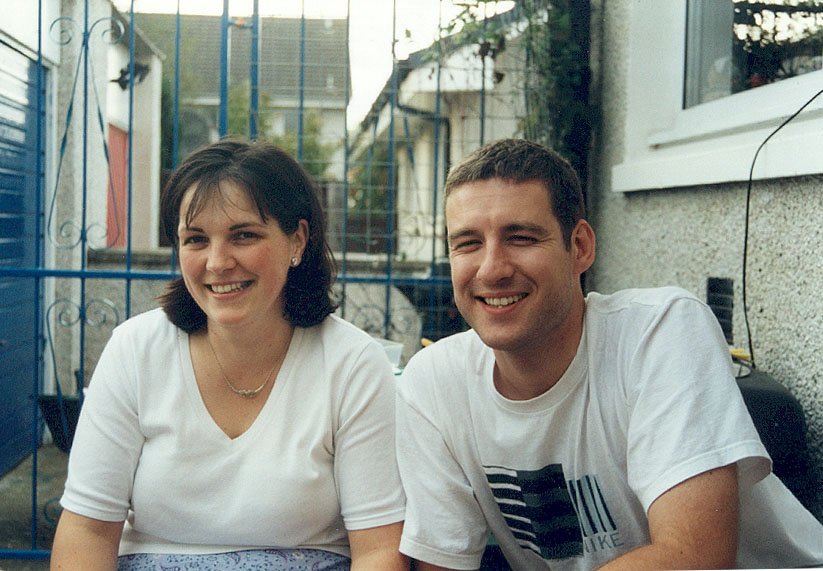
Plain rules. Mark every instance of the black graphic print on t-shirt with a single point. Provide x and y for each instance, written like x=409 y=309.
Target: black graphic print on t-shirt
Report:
x=554 y=517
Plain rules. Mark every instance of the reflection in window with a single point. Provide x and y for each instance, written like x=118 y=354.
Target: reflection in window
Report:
x=735 y=45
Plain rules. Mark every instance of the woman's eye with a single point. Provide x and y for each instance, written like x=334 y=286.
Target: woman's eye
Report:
x=193 y=240
x=245 y=236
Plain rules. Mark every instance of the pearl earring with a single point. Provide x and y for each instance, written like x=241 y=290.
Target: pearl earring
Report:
x=294 y=262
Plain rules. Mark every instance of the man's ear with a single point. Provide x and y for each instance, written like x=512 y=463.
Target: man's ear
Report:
x=583 y=244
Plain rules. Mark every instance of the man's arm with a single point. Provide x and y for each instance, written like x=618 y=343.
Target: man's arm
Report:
x=692 y=525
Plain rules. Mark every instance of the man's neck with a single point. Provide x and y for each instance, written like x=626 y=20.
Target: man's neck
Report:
x=523 y=375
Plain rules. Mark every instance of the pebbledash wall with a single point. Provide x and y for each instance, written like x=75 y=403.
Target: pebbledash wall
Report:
x=656 y=228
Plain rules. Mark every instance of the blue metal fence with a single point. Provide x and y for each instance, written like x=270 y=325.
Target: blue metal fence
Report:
x=80 y=289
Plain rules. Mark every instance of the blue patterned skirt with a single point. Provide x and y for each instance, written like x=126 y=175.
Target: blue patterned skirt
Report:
x=247 y=560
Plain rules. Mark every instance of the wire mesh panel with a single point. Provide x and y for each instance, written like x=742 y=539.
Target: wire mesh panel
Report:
x=376 y=99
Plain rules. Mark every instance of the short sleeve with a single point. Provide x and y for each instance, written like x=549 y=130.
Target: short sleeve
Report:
x=687 y=414
x=108 y=439
x=365 y=463
x=444 y=523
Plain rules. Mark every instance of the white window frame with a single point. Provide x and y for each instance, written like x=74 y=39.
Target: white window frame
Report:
x=666 y=146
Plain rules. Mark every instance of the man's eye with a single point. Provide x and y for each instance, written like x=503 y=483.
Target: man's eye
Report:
x=523 y=239
x=465 y=244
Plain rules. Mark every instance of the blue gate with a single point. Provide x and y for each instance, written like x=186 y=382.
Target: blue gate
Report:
x=79 y=241
x=20 y=247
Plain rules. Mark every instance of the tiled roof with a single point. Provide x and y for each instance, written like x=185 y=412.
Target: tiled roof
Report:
x=325 y=68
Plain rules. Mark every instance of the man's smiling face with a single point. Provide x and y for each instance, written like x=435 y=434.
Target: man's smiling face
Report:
x=515 y=281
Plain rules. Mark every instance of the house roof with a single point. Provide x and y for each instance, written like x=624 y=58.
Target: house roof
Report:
x=425 y=56
x=143 y=46
x=325 y=66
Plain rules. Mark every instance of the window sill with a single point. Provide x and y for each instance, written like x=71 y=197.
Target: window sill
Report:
x=715 y=142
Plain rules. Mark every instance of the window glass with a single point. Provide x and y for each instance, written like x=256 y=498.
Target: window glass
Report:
x=735 y=45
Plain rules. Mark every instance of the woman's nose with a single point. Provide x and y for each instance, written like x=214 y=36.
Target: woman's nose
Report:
x=220 y=258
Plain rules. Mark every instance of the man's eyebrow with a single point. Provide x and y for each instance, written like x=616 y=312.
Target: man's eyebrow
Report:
x=452 y=237
x=526 y=227
x=460 y=234
x=512 y=228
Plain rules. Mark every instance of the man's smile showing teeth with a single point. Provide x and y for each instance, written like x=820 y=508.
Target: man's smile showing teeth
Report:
x=228 y=288
x=503 y=301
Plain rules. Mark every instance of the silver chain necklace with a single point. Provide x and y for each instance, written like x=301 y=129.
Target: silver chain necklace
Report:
x=245 y=393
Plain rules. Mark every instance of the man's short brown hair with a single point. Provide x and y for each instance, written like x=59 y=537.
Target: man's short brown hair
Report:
x=519 y=160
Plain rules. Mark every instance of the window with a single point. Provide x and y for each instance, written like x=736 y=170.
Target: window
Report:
x=665 y=144
x=736 y=45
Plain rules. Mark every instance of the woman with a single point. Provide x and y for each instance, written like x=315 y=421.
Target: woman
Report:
x=242 y=425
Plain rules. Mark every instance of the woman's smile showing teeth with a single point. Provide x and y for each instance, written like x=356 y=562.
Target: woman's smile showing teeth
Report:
x=503 y=301
x=229 y=288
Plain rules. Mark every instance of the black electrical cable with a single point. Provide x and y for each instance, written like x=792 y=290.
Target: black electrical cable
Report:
x=746 y=227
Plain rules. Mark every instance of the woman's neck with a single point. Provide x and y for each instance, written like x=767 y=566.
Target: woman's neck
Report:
x=249 y=348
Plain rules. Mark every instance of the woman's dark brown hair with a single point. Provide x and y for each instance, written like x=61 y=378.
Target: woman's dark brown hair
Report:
x=282 y=190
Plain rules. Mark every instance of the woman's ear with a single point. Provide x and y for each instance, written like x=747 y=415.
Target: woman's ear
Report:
x=583 y=243
x=300 y=239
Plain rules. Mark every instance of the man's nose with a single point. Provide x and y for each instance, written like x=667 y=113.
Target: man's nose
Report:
x=495 y=265
x=220 y=257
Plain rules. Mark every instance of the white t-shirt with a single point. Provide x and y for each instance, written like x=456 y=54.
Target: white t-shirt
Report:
x=564 y=480
x=317 y=461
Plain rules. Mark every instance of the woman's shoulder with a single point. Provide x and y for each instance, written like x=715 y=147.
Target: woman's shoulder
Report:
x=151 y=326
x=339 y=343
x=335 y=329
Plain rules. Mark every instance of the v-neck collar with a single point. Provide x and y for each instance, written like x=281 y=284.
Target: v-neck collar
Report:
x=209 y=426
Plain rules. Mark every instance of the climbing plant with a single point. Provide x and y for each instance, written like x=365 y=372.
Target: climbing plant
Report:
x=554 y=36
x=556 y=42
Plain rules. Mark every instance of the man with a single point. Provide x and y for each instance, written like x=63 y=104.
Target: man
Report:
x=579 y=431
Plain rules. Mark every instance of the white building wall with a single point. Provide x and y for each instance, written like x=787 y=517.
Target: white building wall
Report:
x=677 y=232
x=145 y=133
x=22 y=22
x=332 y=133
x=477 y=107
x=421 y=229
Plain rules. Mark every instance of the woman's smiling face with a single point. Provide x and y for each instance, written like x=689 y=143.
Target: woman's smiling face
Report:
x=234 y=263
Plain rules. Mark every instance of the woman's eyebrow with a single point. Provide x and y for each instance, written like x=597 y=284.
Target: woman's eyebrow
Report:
x=242 y=225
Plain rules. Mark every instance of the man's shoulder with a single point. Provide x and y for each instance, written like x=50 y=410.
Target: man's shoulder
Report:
x=653 y=297
x=454 y=359
x=453 y=348
x=644 y=300
x=631 y=314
